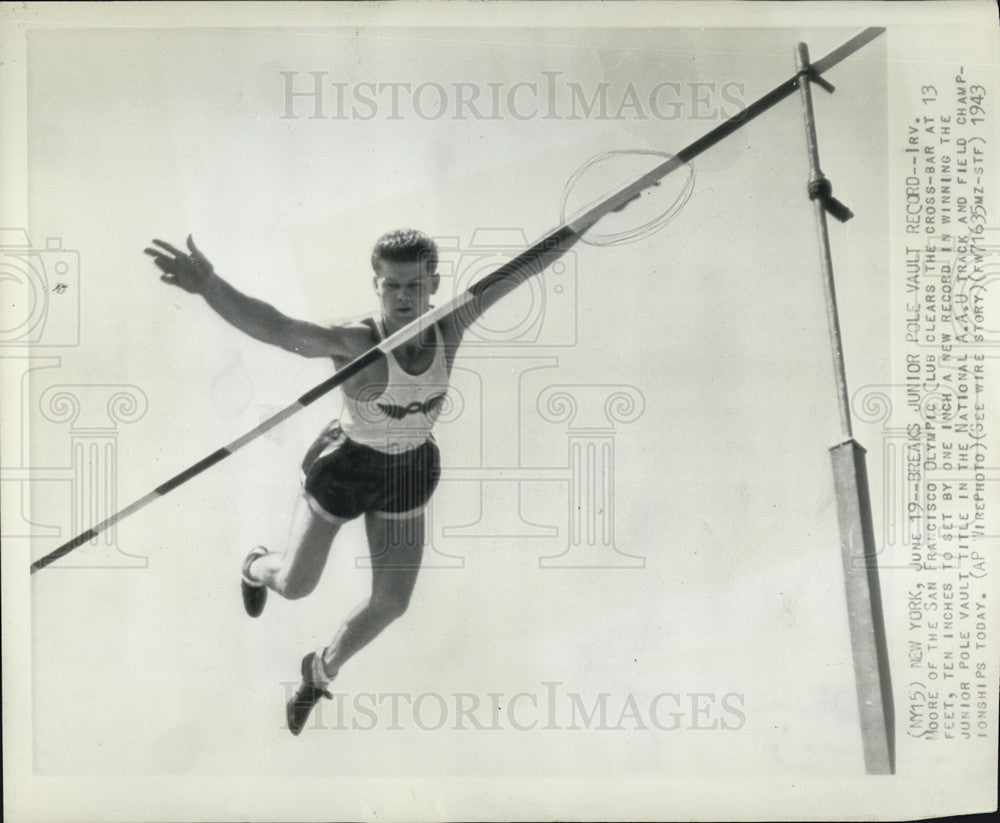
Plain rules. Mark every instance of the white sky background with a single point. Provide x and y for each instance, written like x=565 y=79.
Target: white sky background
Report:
x=723 y=485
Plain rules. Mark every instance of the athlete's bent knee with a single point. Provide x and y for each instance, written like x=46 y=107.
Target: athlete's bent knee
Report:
x=390 y=608
x=292 y=589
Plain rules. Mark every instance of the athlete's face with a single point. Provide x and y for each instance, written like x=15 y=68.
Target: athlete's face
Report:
x=404 y=290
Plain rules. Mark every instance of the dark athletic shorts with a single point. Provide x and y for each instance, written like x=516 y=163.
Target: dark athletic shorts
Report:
x=354 y=479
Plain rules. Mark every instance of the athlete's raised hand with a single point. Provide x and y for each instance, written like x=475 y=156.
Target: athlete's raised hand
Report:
x=632 y=199
x=190 y=271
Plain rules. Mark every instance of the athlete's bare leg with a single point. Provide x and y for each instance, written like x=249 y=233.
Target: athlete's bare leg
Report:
x=295 y=572
x=396 y=547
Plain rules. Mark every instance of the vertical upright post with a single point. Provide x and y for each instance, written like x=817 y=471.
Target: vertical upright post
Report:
x=854 y=515
x=817 y=183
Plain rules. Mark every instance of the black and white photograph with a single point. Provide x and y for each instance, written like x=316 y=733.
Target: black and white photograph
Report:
x=500 y=411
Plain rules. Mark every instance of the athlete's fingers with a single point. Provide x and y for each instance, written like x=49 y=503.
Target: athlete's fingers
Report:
x=162 y=262
x=169 y=248
x=623 y=205
x=156 y=254
x=200 y=262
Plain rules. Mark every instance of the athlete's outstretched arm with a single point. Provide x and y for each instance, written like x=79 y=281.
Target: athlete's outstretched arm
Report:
x=502 y=285
x=194 y=273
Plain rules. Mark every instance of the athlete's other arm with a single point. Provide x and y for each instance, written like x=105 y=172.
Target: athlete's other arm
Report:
x=194 y=273
x=502 y=286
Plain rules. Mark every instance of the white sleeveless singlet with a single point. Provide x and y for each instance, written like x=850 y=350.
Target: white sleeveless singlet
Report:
x=402 y=416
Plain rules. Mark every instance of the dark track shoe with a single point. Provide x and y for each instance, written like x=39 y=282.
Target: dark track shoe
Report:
x=307 y=695
x=254 y=594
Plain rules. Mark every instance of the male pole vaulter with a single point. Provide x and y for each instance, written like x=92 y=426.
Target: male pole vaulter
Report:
x=381 y=460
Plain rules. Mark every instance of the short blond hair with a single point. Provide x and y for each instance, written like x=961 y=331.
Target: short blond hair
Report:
x=405 y=246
